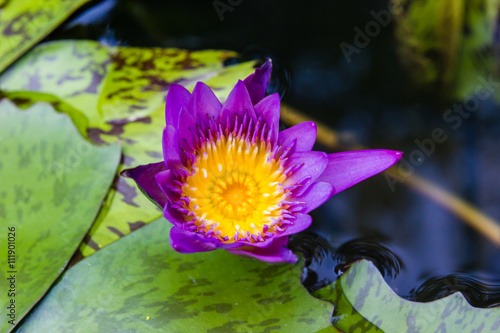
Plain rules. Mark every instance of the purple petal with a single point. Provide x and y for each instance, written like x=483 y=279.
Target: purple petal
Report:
x=257 y=82
x=170 y=146
x=173 y=216
x=302 y=222
x=241 y=243
x=182 y=243
x=238 y=102
x=351 y=167
x=275 y=253
x=269 y=108
x=186 y=123
x=164 y=179
x=305 y=133
x=204 y=102
x=144 y=176
x=313 y=164
x=315 y=195
x=177 y=98
x=265 y=243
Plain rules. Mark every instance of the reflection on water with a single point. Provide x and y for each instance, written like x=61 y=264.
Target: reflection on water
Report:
x=387 y=262
x=323 y=265
x=371 y=99
x=318 y=259
x=484 y=293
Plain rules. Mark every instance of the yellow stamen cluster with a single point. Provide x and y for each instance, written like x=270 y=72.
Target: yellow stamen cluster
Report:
x=235 y=189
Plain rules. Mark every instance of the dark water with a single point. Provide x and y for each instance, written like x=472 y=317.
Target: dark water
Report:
x=424 y=252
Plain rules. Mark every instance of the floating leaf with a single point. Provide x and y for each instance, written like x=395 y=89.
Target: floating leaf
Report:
x=53 y=183
x=116 y=93
x=25 y=22
x=141 y=284
x=114 y=86
x=447 y=44
x=363 y=301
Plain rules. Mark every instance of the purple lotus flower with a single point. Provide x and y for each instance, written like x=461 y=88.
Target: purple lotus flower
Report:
x=231 y=180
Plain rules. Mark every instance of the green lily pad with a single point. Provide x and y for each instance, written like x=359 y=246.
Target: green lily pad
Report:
x=117 y=93
x=114 y=86
x=364 y=302
x=25 y=22
x=53 y=183
x=141 y=284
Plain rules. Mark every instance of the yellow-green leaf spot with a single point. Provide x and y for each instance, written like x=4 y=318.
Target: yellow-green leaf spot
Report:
x=25 y=22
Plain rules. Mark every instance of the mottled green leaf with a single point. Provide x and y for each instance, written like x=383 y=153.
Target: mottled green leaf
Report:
x=140 y=284
x=364 y=302
x=52 y=184
x=25 y=22
x=116 y=93
x=114 y=86
x=447 y=44
x=329 y=329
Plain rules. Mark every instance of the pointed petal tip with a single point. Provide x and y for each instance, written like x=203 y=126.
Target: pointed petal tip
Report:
x=177 y=97
x=258 y=81
x=199 y=87
x=267 y=65
x=175 y=90
x=238 y=102
x=125 y=173
x=241 y=84
x=351 y=167
x=305 y=133
x=394 y=154
x=290 y=257
x=263 y=70
x=204 y=102
x=144 y=176
x=175 y=86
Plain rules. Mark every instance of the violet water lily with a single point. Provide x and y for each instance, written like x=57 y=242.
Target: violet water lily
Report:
x=230 y=180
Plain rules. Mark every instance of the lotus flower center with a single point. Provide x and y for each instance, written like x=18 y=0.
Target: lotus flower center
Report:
x=235 y=189
x=235 y=195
